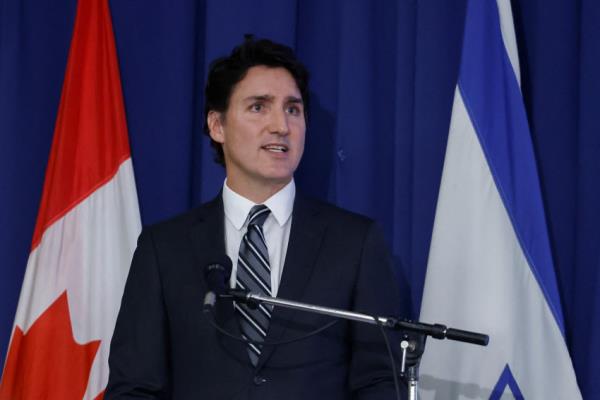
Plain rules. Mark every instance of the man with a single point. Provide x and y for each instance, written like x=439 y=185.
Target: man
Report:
x=281 y=244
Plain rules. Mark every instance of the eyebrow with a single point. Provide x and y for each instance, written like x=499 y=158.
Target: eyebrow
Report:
x=294 y=99
x=268 y=97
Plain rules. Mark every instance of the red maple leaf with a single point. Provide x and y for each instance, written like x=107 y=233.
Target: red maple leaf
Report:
x=46 y=362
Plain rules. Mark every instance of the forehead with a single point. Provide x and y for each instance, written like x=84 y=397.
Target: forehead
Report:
x=266 y=81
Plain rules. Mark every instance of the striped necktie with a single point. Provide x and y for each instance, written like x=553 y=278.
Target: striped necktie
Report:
x=254 y=275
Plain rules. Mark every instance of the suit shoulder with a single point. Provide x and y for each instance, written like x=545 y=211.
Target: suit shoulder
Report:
x=181 y=224
x=338 y=215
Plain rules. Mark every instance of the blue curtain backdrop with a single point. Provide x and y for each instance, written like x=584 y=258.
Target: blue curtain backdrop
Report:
x=383 y=76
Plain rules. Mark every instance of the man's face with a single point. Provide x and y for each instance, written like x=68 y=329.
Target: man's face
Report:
x=262 y=131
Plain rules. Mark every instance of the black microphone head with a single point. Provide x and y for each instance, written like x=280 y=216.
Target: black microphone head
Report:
x=217 y=275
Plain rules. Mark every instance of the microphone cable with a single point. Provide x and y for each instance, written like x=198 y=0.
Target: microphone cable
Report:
x=211 y=319
x=390 y=353
x=210 y=314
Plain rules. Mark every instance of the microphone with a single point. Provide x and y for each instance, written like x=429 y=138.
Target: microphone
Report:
x=216 y=275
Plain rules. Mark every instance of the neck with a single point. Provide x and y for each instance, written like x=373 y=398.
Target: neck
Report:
x=258 y=194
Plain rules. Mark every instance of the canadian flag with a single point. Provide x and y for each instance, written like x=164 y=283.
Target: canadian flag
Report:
x=85 y=233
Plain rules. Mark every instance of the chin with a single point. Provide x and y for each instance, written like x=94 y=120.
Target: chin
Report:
x=279 y=173
x=278 y=178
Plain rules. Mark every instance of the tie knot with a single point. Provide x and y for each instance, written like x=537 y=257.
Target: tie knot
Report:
x=258 y=214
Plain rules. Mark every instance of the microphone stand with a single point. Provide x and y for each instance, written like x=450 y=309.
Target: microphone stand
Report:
x=412 y=344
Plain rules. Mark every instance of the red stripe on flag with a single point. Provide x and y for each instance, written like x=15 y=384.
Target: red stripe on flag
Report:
x=45 y=362
x=90 y=137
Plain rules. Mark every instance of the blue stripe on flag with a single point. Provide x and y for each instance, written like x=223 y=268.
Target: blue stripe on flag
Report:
x=493 y=100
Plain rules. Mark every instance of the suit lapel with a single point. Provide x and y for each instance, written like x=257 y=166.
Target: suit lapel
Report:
x=303 y=247
x=208 y=241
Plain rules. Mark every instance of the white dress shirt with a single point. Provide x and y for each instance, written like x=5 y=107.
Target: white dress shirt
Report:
x=276 y=228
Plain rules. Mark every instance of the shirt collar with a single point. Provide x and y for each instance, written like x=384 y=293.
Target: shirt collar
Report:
x=237 y=206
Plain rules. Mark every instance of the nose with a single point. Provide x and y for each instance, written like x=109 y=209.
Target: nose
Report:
x=278 y=123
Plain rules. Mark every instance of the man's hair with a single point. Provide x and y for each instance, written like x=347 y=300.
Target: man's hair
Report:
x=226 y=72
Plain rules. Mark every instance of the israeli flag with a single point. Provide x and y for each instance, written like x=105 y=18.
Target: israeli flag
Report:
x=490 y=268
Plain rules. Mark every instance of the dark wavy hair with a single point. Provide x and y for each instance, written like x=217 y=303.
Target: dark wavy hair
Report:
x=225 y=72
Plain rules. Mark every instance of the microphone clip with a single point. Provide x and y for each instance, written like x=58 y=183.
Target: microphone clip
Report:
x=241 y=296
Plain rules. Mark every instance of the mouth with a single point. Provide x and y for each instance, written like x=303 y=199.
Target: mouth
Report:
x=276 y=148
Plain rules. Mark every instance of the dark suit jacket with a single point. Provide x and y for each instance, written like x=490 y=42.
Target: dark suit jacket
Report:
x=164 y=348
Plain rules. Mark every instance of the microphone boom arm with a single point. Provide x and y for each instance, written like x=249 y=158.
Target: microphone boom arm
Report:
x=437 y=331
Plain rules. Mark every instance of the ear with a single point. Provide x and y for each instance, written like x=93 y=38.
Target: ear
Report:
x=215 y=126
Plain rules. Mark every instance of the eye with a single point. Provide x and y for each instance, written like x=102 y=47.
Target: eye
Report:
x=294 y=109
x=257 y=107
